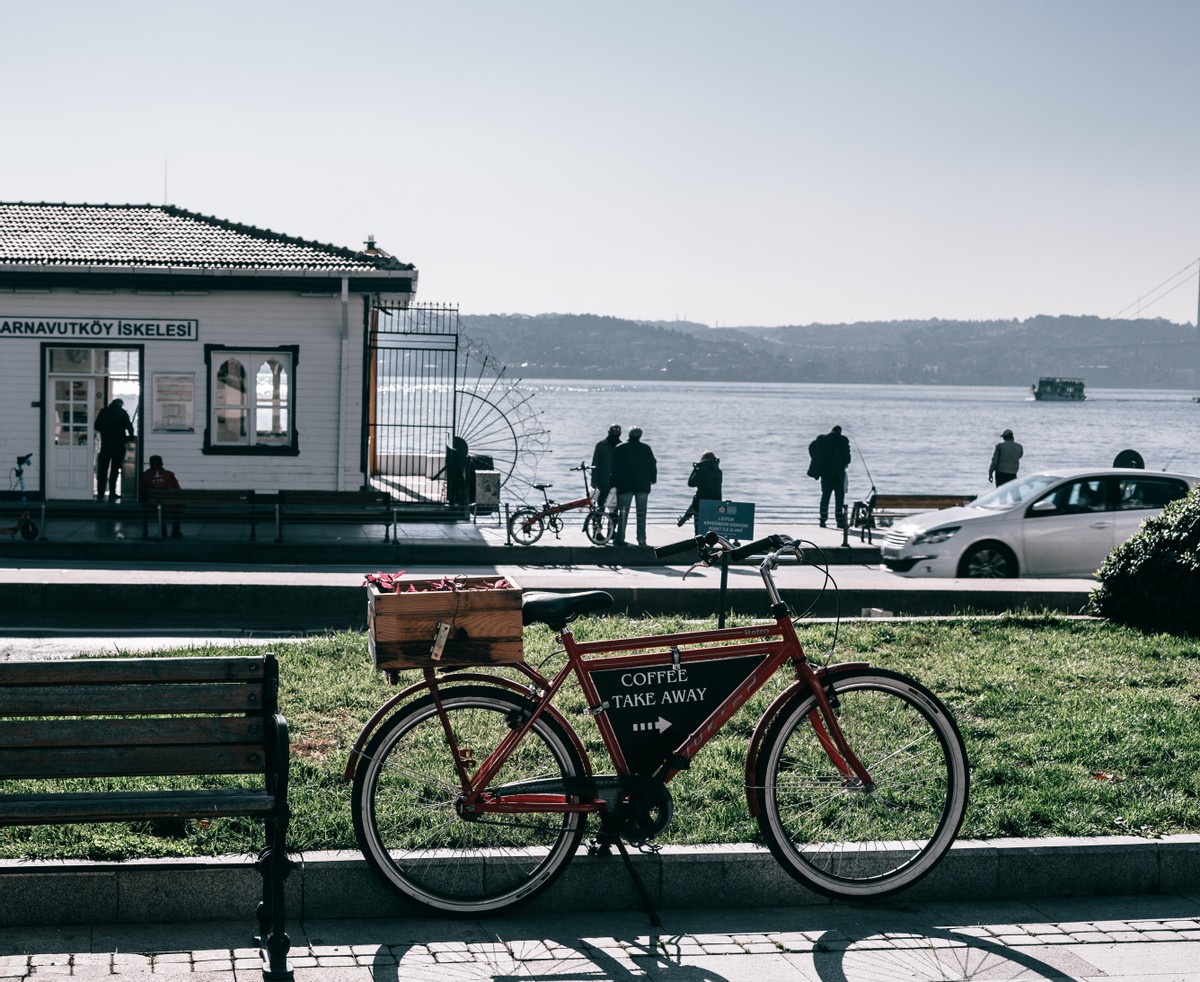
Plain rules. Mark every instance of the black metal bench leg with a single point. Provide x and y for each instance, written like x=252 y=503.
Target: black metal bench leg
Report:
x=274 y=866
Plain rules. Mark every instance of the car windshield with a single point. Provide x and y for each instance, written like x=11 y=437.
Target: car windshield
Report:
x=1015 y=492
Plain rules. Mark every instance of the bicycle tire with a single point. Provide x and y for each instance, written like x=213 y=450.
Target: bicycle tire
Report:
x=29 y=529
x=598 y=527
x=405 y=798
x=526 y=526
x=849 y=842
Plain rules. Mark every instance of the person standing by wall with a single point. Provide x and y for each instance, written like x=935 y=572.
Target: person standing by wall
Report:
x=830 y=456
x=634 y=472
x=114 y=425
x=706 y=479
x=602 y=458
x=1006 y=459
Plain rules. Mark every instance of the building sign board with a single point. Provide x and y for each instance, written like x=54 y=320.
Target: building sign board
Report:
x=654 y=709
x=99 y=328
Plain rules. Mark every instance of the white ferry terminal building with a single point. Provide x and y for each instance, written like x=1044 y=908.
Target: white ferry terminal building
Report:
x=245 y=358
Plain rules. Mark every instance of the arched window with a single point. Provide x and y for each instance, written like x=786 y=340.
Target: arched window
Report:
x=271 y=402
x=250 y=400
x=229 y=403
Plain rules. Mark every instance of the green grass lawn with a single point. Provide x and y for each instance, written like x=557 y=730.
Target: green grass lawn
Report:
x=1074 y=728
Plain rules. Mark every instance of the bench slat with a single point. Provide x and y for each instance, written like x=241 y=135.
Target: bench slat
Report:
x=62 y=762
x=124 y=806
x=129 y=732
x=115 y=671
x=115 y=700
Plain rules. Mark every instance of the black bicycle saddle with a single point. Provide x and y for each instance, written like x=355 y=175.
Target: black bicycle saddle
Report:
x=556 y=610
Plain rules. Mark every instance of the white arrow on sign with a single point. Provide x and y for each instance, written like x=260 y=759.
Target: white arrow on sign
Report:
x=660 y=725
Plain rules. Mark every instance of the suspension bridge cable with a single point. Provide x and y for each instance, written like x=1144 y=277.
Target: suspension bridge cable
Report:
x=1138 y=302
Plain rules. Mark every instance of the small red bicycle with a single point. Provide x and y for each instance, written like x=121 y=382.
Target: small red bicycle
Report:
x=472 y=790
x=24 y=526
x=526 y=525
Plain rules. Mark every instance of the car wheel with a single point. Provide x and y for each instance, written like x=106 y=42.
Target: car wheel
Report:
x=988 y=560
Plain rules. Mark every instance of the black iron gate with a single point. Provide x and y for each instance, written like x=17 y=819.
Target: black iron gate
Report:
x=412 y=449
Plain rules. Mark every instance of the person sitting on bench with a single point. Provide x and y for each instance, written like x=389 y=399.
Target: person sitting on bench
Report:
x=158 y=478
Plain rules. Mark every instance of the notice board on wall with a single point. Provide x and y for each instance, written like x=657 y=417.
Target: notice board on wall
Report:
x=174 y=402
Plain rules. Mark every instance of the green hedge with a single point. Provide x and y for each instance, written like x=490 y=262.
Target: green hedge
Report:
x=1152 y=582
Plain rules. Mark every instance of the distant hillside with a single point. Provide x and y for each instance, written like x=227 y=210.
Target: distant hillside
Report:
x=1110 y=353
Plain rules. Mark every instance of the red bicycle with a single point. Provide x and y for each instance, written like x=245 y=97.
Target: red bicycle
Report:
x=526 y=525
x=472 y=791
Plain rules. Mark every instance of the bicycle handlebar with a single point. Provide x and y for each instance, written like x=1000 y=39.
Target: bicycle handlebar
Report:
x=696 y=542
x=767 y=544
x=705 y=546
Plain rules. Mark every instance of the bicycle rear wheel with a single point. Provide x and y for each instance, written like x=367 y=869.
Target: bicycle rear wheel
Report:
x=834 y=835
x=526 y=526
x=407 y=815
x=598 y=527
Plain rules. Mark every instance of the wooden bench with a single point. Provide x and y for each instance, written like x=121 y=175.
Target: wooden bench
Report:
x=152 y=718
x=200 y=505
x=882 y=509
x=353 y=507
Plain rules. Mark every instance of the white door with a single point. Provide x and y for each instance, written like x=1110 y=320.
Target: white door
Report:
x=70 y=455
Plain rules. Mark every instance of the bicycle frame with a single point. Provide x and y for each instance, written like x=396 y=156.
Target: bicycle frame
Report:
x=771 y=645
x=555 y=508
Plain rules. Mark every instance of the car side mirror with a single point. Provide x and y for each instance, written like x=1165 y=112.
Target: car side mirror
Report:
x=1044 y=507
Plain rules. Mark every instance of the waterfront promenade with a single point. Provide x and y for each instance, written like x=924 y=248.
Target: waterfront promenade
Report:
x=83 y=580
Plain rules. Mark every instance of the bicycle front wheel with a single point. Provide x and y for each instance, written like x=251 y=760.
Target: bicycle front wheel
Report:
x=598 y=527
x=526 y=526
x=843 y=839
x=413 y=830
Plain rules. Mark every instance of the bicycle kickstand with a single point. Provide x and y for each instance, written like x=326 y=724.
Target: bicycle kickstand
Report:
x=604 y=841
x=647 y=903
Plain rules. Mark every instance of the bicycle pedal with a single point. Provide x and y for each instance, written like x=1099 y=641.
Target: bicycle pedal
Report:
x=597 y=848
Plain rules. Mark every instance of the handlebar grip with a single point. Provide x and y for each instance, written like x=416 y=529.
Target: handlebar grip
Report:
x=692 y=544
x=759 y=545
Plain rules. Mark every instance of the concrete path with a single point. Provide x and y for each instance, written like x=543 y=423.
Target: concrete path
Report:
x=1117 y=939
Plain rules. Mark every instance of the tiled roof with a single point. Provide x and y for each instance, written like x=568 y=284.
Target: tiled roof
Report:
x=161 y=236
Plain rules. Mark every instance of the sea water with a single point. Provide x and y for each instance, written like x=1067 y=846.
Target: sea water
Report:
x=904 y=438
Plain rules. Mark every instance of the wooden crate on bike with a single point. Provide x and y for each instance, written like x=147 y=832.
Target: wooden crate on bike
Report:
x=484 y=622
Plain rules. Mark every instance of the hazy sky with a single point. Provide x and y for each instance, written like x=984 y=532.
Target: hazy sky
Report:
x=755 y=163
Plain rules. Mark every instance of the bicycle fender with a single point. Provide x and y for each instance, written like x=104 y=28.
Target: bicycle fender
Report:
x=356 y=752
x=794 y=690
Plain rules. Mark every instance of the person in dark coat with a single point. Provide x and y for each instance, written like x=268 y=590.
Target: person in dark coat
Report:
x=114 y=425
x=706 y=479
x=602 y=458
x=634 y=472
x=831 y=455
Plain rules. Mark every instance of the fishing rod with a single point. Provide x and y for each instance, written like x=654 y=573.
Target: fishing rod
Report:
x=863 y=460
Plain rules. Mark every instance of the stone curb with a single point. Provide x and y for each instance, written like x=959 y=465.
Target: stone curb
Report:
x=339 y=884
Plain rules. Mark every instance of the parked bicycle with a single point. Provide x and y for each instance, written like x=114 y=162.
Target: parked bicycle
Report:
x=24 y=526
x=472 y=791
x=526 y=525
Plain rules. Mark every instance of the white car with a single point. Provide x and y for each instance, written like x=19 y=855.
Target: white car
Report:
x=1061 y=524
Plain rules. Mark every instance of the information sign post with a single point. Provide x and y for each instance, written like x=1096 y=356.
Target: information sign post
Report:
x=731 y=520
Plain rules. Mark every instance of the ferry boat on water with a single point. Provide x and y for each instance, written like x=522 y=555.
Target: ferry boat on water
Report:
x=1058 y=389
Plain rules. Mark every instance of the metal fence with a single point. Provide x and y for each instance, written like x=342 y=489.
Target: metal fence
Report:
x=413 y=361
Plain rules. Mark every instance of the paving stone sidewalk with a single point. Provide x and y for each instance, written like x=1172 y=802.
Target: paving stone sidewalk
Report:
x=1117 y=939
